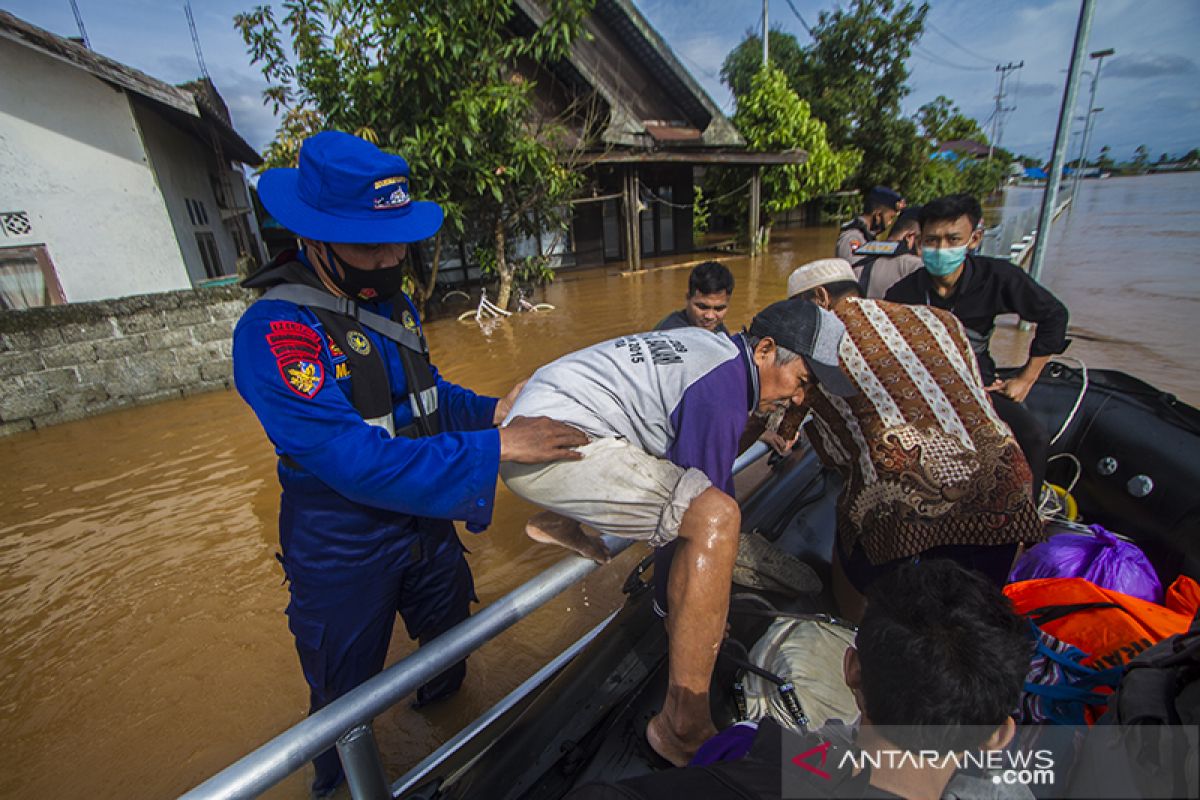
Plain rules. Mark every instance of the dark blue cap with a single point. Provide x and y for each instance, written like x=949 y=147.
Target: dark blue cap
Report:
x=348 y=190
x=883 y=196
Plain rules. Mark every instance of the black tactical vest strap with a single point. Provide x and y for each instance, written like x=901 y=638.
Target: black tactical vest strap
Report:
x=370 y=388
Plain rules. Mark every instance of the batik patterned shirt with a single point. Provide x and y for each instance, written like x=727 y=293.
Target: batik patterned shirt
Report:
x=925 y=460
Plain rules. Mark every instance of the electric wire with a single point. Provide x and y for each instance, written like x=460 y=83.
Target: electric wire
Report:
x=936 y=59
x=951 y=40
x=807 y=29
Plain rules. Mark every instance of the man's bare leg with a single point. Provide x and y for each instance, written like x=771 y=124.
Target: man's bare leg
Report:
x=551 y=528
x=698 y=592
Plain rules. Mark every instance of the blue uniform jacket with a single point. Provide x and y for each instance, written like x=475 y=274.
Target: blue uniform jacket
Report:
x=352 y=510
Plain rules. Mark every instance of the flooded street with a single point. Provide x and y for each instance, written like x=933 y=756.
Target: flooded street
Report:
x=145 y=645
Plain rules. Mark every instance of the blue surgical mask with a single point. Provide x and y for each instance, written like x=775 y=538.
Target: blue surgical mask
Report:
x=943 y=262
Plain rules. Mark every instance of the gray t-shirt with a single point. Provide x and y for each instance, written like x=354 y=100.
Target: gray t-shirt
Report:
x=678 y=394
x=886 y=271
x=849 y=240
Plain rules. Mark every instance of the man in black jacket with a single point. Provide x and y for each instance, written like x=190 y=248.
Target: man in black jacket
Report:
x=977 y=289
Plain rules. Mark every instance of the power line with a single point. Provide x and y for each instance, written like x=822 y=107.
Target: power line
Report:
x=187 y=9
x=79 y=21
x=802 y=22
x=936 y=59
x=966 y=50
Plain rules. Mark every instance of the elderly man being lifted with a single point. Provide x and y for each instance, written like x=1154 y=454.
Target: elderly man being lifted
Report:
x=664 y=412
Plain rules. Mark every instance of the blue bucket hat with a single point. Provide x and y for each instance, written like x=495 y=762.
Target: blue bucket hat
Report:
x=347 y=190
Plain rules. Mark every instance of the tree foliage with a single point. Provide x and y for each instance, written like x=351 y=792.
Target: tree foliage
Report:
x=438 y=83
x=958 y=175
x=853 y=74
x=941 y=120
x=773 y=118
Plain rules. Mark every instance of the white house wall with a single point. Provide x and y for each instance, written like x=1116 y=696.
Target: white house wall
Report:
x=185 y=166
x=71 y=156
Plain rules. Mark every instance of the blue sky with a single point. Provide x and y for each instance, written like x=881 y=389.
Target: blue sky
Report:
x=1149 y=90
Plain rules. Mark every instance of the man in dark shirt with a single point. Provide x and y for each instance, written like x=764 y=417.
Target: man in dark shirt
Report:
x=709 y=288
x=977 y=289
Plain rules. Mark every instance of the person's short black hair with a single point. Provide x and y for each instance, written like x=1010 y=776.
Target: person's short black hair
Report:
x=709 y=278
x=942 y=648
x=950 y=208
x=909 y=219
x=837 y=290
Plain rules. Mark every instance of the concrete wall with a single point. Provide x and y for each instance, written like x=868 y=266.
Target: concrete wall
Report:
x=62 y=363
x=71 y=156
x=184 y=167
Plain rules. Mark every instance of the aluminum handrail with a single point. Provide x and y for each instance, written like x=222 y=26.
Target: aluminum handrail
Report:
x=288 y=752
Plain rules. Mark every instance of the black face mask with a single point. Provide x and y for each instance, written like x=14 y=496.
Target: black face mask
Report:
x=369 y=285
x=877 y=224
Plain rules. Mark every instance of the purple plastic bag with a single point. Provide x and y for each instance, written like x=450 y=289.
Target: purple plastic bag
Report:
x=1102 y=558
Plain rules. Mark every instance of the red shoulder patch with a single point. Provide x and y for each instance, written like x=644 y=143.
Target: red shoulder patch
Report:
x=297 y=351
x=854 y=245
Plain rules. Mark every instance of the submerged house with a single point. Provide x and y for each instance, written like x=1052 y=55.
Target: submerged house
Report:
x=658 y=128
x=112 y=183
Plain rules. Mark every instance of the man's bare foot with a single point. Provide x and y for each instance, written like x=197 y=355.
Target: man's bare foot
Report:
x=672 y=747
x=551 y=528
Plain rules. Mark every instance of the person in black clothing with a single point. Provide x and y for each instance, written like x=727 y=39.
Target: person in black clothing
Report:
x=938 y=664
x=879 y=211
x=977 y=289
x=709 y=288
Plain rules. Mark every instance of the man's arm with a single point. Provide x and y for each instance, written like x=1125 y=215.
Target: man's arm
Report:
x=1034 y=303
x=448 y=476
x=708 y=421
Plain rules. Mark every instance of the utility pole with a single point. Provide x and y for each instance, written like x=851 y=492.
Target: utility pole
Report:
x=765 y=33
x=1089 y=120
x=1050 y=198
x=1000 y=110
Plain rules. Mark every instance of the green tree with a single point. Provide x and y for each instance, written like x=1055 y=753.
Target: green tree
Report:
x=438 y=83
x=1141 y=158
x=940 y=119
x=1106 y=160
x=853 y=74
x=745 y=60
x=958 y=175
x=772 y=118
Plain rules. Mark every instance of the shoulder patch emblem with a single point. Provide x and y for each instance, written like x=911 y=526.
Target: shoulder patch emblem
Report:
x=854 y=245
x=406 y=319
x=297 y=351
x=359 y=342
x=335 y=350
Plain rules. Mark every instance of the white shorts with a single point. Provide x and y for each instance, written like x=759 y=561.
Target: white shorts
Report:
x=616 y=488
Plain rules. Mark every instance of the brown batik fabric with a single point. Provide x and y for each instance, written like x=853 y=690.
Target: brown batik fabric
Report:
x=925 y=461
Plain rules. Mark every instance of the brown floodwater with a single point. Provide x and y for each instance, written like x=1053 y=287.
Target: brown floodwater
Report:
x=145 y=646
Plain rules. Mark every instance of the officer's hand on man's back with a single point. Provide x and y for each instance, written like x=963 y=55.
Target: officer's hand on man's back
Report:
x=535 y=440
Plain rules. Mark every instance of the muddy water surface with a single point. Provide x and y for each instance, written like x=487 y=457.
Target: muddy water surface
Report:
x=144 y=642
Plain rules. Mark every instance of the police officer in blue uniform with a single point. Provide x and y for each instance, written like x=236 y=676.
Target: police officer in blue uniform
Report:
x=377 y=453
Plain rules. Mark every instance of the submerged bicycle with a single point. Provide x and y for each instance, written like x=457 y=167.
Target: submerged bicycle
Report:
x=489 y=310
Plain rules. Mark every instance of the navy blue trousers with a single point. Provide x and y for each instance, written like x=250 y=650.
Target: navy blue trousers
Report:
x=342 y=631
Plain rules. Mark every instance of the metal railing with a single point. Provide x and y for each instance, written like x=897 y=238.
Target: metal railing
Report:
x=346 y=721
x=1013 y=239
